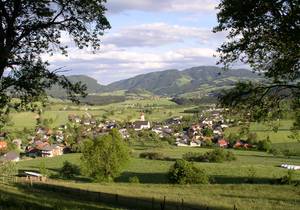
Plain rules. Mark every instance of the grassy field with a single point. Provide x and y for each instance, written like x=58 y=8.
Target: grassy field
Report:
x=19 y=198
x=229 y=188
x=160 y=109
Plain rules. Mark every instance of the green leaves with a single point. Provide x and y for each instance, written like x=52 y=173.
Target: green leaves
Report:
x=104 y=157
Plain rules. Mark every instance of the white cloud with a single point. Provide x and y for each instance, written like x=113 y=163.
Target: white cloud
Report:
x=158 y=34
x=115 y=64
x=117 y=6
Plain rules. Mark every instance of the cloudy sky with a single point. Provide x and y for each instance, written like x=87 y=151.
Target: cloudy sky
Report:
x=146 y=36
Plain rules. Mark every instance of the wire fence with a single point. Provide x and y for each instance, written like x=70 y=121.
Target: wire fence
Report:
x=117 y=199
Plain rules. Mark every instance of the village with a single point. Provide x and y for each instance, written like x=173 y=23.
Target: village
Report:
x=50 y=142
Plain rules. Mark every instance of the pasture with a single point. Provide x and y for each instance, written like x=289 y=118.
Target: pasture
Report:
x=229 y=186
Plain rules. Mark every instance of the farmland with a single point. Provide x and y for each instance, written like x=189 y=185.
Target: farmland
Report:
x=229 y=179
x=230 y=186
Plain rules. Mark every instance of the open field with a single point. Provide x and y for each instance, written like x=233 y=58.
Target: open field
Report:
x=229 y=188
x=156 y=110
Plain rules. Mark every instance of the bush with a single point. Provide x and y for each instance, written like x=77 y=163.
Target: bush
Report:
x=134 y=179
x=183 y=172
x=69 y=170
x=287 y=179
x=264 y=145
x=274 y=151
x=217 y=155
x=152 y=155
x=193 y=156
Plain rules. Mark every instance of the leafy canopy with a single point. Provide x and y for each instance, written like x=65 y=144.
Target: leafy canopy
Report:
x=30 y=29
x=263 y=34
x=104 y=157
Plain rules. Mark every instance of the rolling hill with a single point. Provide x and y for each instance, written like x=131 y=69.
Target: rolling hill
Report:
x=175 y=82
x=193 y=82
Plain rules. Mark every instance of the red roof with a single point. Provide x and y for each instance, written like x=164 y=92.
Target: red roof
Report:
x=3 y=144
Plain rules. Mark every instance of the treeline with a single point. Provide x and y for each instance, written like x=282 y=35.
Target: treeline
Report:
x=194 y=101
x=102 y=100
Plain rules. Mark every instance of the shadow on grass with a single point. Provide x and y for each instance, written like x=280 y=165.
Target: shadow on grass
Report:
x=291 y=201
x=275 y=157
x=145 y=178
x=32 y=199
x=81 y=197
x=219 y=179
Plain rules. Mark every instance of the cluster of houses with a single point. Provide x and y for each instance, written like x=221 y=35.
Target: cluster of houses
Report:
x=48 y=142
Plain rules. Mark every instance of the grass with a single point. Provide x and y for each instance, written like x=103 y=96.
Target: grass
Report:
x=12 y=197
x=230 y=187
x=161 y=109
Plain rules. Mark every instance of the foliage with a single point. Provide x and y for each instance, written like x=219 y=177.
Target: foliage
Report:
x=266 y=40
x=233 y=138
x=217 y=155
x=287 y=179
x=252 y=138
x=134 y=179
x=42 y=168
x=264 y=145
x=68 y=170
x=152 y=155
x=207 y=132
x=30 y=29
x=104 y=157
x=183 y=172
x=8 y=170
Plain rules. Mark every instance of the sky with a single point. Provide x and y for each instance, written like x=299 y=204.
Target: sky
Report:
x=147 y=36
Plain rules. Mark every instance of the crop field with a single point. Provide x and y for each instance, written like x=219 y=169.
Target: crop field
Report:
x=229 y=186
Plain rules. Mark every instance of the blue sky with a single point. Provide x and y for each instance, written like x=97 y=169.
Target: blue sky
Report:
x=146 y=36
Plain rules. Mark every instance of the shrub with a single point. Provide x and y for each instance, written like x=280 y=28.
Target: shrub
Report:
x=274 y=151
x=152 y=155
x=69 y=170
x=193 y=156
x=287 y=179
x=183 y=172
x=264 y=145
x=217 y=155
x=134 y=179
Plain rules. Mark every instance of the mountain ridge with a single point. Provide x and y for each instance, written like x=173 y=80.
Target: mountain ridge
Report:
x=172 y=82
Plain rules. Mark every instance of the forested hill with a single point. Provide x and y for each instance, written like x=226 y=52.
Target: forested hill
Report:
x=174 y=82
x=202 y=79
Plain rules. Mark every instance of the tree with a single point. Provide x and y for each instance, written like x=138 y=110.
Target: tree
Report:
x=183 y=172
x=104 y=157
x=29 y=29
x=69 y=170
x=263 y=34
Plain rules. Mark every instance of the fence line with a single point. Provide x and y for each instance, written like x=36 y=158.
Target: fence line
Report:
x=117 y=199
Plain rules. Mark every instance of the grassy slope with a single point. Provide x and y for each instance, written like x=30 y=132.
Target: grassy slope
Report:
x=230 y=177
x=28 y=198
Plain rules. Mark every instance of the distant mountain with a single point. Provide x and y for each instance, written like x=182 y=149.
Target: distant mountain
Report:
x=92 y=86
x=194 y=82
x=175 y=82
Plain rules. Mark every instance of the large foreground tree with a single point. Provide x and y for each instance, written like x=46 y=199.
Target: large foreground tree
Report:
x=263 y=34
x=29 y=29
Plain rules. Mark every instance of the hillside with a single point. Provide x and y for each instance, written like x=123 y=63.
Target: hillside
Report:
x=195 y=82
x=92 y=86
x=175 y=82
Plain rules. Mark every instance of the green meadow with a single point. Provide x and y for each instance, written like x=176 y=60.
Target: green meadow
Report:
x=229 y=186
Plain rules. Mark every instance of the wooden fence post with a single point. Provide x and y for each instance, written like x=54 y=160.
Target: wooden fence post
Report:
x=182 y=204
x=163 y=204
x=152 y=203
x=117 y=198
x=234 y=207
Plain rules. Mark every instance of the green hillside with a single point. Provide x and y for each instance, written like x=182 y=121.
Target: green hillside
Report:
x=175 y=82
